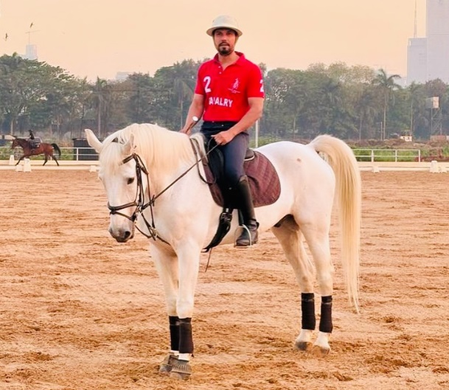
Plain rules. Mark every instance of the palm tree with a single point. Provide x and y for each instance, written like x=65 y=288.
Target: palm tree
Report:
x=386 y=85
x=183 y=92
x=100 y=96
x=416 y=93
x=365 y=106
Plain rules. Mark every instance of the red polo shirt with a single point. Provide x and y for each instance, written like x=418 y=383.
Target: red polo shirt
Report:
x=226 y=92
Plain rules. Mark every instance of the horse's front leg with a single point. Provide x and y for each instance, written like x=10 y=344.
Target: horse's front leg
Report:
x=19 y=160
x=179 y=276
x=166 y=264
x=188 y=263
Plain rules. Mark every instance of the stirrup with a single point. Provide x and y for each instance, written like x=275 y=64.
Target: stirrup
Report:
x=247 y=237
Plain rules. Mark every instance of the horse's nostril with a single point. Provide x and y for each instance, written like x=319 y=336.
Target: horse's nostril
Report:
x=127 y=235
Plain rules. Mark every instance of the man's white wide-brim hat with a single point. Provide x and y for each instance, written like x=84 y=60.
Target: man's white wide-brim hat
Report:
x=224 y=21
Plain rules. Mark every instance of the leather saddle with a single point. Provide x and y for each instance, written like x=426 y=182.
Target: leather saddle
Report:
x=34 y=143
x=262 y=176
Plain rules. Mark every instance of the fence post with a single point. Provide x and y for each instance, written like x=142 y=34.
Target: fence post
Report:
x=372 y=155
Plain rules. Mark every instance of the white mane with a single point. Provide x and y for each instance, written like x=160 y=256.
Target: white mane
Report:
x=157 y=146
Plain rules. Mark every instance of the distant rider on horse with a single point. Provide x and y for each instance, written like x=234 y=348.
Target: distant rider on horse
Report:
x=34 y=142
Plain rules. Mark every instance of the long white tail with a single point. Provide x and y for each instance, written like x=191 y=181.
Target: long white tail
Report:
x=349 y=197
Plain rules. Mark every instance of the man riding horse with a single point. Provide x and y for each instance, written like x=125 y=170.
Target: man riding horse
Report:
x=229 y=96
x=33 y=141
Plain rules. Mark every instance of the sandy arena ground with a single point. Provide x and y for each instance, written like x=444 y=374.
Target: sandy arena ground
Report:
x=80 y=311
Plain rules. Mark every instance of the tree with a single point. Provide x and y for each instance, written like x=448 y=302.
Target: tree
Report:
x=33 y=93
x=174 y=87
x=13 y=87
x=366 y=106
x=386 y=84
x=101 y=98
x=141 y=92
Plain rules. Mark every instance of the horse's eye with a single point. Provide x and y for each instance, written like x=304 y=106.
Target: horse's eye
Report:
x=130 y=180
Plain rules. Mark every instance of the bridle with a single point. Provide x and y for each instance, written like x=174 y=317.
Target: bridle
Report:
x=139 y=200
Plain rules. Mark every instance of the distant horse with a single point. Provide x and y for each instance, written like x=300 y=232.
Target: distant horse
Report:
x=146 y=172
x=42 y=148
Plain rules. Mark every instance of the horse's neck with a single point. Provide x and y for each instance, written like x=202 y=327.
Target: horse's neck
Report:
x=170 y=165
x=176 y=179
x=161 y=179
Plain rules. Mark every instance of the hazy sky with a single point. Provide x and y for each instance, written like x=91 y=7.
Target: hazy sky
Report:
x=91 y=38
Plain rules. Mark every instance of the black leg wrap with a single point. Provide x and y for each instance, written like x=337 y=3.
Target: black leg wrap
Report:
x=308 y=311
x=185 y=335
x=174 y=333
x=326 y=314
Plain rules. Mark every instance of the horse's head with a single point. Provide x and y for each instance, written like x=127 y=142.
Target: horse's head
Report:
x=119 y=177
x=15 y=143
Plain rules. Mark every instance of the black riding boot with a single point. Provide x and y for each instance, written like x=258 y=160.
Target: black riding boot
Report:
x=249 y=234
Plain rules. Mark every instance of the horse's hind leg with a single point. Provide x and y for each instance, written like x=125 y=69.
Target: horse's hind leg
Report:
x=290 y=238
x=54 y=158
x=317 y=237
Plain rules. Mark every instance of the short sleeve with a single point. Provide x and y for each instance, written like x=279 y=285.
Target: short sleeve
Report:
x=255 y=82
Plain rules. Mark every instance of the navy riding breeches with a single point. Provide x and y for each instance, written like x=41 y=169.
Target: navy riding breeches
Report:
x=233 y=152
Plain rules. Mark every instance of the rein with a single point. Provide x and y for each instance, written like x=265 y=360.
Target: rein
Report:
x=139 y=201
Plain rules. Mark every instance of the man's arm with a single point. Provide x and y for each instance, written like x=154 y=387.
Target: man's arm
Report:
x=254 y=113
x=195 y=110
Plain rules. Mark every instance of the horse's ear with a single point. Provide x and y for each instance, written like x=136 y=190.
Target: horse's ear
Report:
x=93 y=141
x=129 y=147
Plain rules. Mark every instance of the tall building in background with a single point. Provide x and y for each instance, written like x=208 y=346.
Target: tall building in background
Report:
x=30 y=52
x=417 y=60
x=30 y=49
x=437 y=31
x=428 y=58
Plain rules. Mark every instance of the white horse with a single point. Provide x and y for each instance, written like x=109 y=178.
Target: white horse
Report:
x=147 y=175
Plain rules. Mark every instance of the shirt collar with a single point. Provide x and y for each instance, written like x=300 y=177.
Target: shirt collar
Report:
x=240 y=54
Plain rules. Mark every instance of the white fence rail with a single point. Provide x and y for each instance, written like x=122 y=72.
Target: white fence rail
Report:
x=388 y=155
x=362 y=155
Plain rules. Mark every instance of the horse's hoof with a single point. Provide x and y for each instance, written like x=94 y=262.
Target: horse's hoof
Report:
x=167 y=364
x=318 y=351
x=303 y=345
x=181 y=370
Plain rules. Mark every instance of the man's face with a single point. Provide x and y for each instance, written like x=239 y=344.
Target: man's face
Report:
x=225 y=40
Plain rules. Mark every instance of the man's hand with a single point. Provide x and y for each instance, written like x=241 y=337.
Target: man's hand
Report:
x=189 y=126
x=223 y=137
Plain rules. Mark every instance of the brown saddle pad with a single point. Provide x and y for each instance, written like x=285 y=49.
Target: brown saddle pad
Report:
x=263 y=179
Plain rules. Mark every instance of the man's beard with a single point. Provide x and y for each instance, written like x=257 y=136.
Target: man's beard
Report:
x=224 y=50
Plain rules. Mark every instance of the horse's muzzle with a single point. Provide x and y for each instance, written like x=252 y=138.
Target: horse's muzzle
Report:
x=121 y=235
